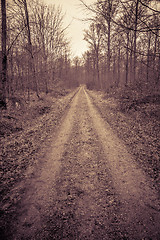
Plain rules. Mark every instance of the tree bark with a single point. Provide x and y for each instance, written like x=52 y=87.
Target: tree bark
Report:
x=148 y=57
x=109 y=51
x=158 y=77
x=109 y=39
x=135 y=41
x=127 y=59
x=30 y=48
x=4 y=56
x=118 y=67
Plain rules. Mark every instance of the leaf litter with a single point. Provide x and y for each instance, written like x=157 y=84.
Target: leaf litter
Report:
x=20 y=149
x=137 y=126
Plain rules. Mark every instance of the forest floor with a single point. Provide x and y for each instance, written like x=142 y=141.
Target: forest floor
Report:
x=135 y=117
x=25 y=128
x=84 y=165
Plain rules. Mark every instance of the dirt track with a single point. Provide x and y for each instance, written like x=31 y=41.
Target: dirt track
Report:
x=88 y=187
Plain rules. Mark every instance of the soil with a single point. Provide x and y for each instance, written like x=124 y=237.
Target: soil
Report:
x=86 y=184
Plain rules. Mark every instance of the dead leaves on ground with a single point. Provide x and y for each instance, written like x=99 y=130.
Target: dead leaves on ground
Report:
x=19 y=149
x=139 y=129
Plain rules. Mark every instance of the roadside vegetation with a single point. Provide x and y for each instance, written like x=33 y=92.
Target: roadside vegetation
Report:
x=25 y=132
x=135 y=117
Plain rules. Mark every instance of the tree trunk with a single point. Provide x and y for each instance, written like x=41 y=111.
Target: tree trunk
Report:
x=118 y=67
x=148 y=57
x=99 y=84
x=155 y=50
x=109 y=47
x=127 y=53
x=158 y=77
x=4 y=57
x=12 y=74
x=131 y=65
x=114 y=68
x=30 y=47
x=135 y=41
x=94 y=72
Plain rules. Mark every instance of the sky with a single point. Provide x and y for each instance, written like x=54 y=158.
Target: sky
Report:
x=73 y=11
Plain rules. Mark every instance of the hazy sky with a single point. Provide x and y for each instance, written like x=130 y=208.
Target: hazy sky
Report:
x=75 y=31
x=73 y=11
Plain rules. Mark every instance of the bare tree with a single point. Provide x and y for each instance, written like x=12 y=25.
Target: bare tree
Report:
x=49 y=35
x=135 y=39
x=35 y=41
x=105 y=11
x=30 y=46
x=4 y=56
x=94 y=37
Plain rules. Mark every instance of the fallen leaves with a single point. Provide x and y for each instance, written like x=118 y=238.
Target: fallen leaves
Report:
x=140 y=131
x=19 y=149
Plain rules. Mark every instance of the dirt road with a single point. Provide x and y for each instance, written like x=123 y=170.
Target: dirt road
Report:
x=88 y=186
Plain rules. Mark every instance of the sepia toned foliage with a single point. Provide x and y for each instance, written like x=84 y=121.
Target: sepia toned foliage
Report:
x=123 y=47
x=129 y=42
x=35 y=45
x=3 y=56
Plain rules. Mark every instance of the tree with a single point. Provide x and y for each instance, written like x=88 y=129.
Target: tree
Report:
x=27 y=23
x=4 y=56
x=105 y=11
x=49 y=36
x=94 y=37
x=135 y=39
x=35 y=41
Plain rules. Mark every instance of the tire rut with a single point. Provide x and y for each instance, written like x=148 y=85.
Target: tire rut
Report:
x=84 y=192
x=89 y=186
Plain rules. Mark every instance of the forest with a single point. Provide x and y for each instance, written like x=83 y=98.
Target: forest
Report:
x=79 y=135
x=123 y=47
x=35 y=52
x=123 y=43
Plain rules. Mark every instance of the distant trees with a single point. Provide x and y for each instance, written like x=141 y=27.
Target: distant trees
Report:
x=123 y=39
x=35 y=45
x=94 y=37
x=129 y=46
x=77 y=71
